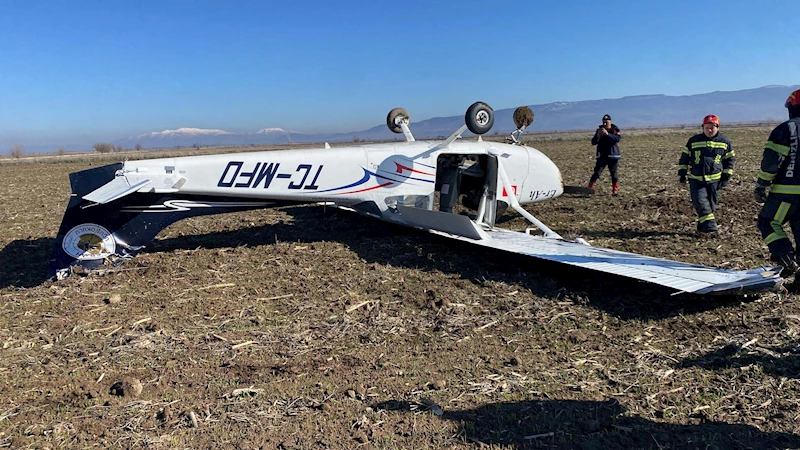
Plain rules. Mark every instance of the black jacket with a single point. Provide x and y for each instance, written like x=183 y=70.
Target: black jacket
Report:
x=779 y=165
x=608 y=145
x=707 y=159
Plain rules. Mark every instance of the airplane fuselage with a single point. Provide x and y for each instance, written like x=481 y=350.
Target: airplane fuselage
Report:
x=381 y=173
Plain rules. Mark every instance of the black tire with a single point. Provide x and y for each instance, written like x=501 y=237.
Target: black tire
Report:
x=392 y=122
x=523 y=117
x=479 y=118
x=500 y=208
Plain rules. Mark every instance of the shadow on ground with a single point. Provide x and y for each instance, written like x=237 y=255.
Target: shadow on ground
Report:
x=589 y=425
x=382 y=243
x=632 y=234
x=23 y=263
x=776 y=361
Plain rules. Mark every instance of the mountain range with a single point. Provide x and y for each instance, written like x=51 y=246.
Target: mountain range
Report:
x=764 y=104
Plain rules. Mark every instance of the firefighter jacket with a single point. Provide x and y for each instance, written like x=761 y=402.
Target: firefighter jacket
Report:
x=779 y=163
x=608 y=145
x=707 y=159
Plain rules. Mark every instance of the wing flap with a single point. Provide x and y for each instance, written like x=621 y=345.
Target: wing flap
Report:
x=449 y=223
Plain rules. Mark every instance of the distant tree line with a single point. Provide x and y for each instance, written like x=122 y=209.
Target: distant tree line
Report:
x=17 y=151
x=105 y=147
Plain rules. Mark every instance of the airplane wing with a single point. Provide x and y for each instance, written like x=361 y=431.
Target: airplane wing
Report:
x=683 y=277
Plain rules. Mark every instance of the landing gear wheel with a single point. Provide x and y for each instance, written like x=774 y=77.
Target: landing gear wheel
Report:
x=479 y=118
x=501 y=207
x=523 y=117
x=394 y=118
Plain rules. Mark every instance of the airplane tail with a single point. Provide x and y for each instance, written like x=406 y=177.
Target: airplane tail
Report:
x=108 y=222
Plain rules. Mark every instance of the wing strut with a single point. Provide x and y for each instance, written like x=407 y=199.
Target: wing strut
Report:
x=407 y=131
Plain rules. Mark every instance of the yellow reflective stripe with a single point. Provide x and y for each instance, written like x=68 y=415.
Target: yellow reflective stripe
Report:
x=710 y=144
x=712 y=177
x=784 y=189
x=776 y=236
x=685 y=150
x=683 y=166
x=728 y=171
x=705 y=218
x=766 y=176
x=777 y=224
x=780 y=214
x=729 y=155
x=782 y=150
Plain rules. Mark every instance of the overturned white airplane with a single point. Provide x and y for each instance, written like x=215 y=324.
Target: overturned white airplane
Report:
x=116 y=210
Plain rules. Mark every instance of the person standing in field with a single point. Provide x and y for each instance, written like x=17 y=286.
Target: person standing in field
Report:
x=606 y=138
x=780 y=173
x=707 y=161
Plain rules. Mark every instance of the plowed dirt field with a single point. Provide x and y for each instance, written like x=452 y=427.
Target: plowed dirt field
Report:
x=307 y=328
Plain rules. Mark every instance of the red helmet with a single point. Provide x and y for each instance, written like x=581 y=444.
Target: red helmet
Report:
x=793 y=100
x=712 y=119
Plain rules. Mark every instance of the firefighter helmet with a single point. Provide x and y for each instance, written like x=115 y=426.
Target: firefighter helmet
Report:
x=712 y=119
x=793 y=100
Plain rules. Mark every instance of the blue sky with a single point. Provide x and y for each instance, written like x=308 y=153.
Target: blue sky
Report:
x=88 y=71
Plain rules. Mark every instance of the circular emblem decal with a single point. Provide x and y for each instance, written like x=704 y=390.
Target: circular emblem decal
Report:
x=89 y=241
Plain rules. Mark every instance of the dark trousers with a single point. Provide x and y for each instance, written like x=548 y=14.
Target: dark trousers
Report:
x=705 y=199
x=777 y=210
x=601 y=164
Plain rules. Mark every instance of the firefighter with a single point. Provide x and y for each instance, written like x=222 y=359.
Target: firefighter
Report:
x=779 y=172
x=606 y=138
x=707 y=161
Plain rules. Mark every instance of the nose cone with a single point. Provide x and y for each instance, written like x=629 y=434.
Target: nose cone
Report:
x=544 y=179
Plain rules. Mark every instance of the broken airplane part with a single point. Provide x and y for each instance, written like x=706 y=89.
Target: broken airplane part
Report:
x=116 y=210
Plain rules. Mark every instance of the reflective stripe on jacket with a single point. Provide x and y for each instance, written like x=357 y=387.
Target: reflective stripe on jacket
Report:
x=779 y=163
x=707 y=159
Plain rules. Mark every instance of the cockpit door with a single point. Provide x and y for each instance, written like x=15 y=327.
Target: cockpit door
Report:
x=487 y=208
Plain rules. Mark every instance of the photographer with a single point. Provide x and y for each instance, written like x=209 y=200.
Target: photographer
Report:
x=606 y=138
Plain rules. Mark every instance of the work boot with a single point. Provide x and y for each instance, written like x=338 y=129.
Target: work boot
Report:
x=793 y=287
x=709 y=226
x=615 y=188
x=591 y=185
x=789 y=263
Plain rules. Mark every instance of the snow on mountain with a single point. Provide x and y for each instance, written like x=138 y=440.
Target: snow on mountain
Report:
x=185 y=132
x=189 y=137
x=271 y=130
